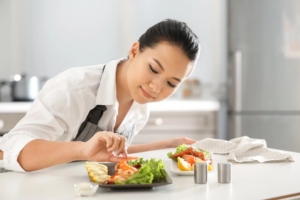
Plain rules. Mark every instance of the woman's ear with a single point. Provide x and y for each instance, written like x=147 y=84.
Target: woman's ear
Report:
x=134 y=50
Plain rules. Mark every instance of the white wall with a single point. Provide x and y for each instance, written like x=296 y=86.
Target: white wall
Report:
x=5 y=45
x=50 y=36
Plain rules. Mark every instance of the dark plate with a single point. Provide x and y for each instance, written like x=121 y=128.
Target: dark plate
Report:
x=111 y=171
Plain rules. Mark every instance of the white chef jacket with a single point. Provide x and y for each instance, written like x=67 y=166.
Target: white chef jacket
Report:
x=63 y=104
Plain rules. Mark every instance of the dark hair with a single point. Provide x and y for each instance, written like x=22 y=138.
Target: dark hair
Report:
x=176 y=33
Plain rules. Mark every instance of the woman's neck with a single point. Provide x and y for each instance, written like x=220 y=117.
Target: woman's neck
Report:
x=123 y=93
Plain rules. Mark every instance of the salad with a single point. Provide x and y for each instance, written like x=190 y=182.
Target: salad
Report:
x=187 y=156
x=131 y=170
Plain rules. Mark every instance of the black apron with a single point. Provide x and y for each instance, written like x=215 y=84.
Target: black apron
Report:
x=89 y=127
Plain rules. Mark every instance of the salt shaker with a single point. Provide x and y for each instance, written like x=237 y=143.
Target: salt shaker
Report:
x=224 y=172
x=200 y=173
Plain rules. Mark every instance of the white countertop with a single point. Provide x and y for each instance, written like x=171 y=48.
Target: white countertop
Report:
x=249 y=181
x=185 y=105
x=167 y=105
x=14 y=107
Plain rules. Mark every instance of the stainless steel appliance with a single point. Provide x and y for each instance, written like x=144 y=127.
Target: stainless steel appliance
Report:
x=21 y=88
x=264 y=71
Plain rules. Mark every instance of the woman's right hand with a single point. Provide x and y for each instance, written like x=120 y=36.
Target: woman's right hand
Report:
x=101 y=147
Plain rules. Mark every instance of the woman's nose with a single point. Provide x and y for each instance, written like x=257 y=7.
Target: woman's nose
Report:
x=155 y=86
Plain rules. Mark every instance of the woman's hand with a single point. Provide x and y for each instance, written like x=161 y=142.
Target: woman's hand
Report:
x=173 y=143
x=101 y=147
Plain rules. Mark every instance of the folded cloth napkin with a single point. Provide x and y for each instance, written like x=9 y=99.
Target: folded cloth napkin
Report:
x=244 y=149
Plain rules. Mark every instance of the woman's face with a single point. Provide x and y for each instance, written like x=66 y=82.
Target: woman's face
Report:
x=155 y=74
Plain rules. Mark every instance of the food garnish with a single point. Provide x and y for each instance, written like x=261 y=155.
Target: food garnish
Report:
x=130 y=170
x=97 y=172
x=187 y=156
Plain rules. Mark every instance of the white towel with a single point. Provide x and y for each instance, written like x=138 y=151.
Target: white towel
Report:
x=244 y=149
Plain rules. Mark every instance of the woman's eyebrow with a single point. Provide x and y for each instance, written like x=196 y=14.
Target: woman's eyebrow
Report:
x=162 y=68
x=159 y=64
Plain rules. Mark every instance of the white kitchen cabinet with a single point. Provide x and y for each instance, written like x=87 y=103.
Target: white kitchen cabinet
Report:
x=160 y=126
x=163 y=125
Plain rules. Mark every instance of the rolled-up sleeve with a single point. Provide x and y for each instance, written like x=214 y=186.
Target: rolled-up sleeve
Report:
x=53 y=116
x=11 y=145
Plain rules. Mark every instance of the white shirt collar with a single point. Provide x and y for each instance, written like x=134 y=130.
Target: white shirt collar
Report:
x=106 y=94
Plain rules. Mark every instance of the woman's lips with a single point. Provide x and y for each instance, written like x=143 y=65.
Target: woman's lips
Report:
x=146 y=94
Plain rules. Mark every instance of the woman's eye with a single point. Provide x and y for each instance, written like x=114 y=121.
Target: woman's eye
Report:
x=155 y=72
x=170 y=84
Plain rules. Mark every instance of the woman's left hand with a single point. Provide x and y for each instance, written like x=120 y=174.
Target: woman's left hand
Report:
x=173 y=143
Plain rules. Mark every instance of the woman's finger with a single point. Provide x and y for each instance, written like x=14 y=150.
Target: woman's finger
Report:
x=107 y=137
x=122 y=145
x=191 y=141
x=116 y=142
x=188 y=141
x=125 y=154
x=115 y=159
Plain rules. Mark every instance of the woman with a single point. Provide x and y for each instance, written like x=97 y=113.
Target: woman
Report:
x=93 y=113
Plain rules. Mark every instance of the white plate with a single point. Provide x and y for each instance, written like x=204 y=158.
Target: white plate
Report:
x=175 y=169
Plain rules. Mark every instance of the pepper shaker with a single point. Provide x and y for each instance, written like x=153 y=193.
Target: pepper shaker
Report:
x=224 y=172
x=200 y=173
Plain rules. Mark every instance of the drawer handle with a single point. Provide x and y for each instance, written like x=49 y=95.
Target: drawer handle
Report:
x=1 y=124
x=158 y=121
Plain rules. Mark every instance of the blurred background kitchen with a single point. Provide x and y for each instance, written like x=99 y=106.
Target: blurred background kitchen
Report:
x=245 y=82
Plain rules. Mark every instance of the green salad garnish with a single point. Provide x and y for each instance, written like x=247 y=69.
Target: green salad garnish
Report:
x=183 y=147
x=150 y=171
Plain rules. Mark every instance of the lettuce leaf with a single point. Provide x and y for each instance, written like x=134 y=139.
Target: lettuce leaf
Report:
x=180 y=148
x=144 y=176
x=150 y=170
x=157 y=169
x=206 y=154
